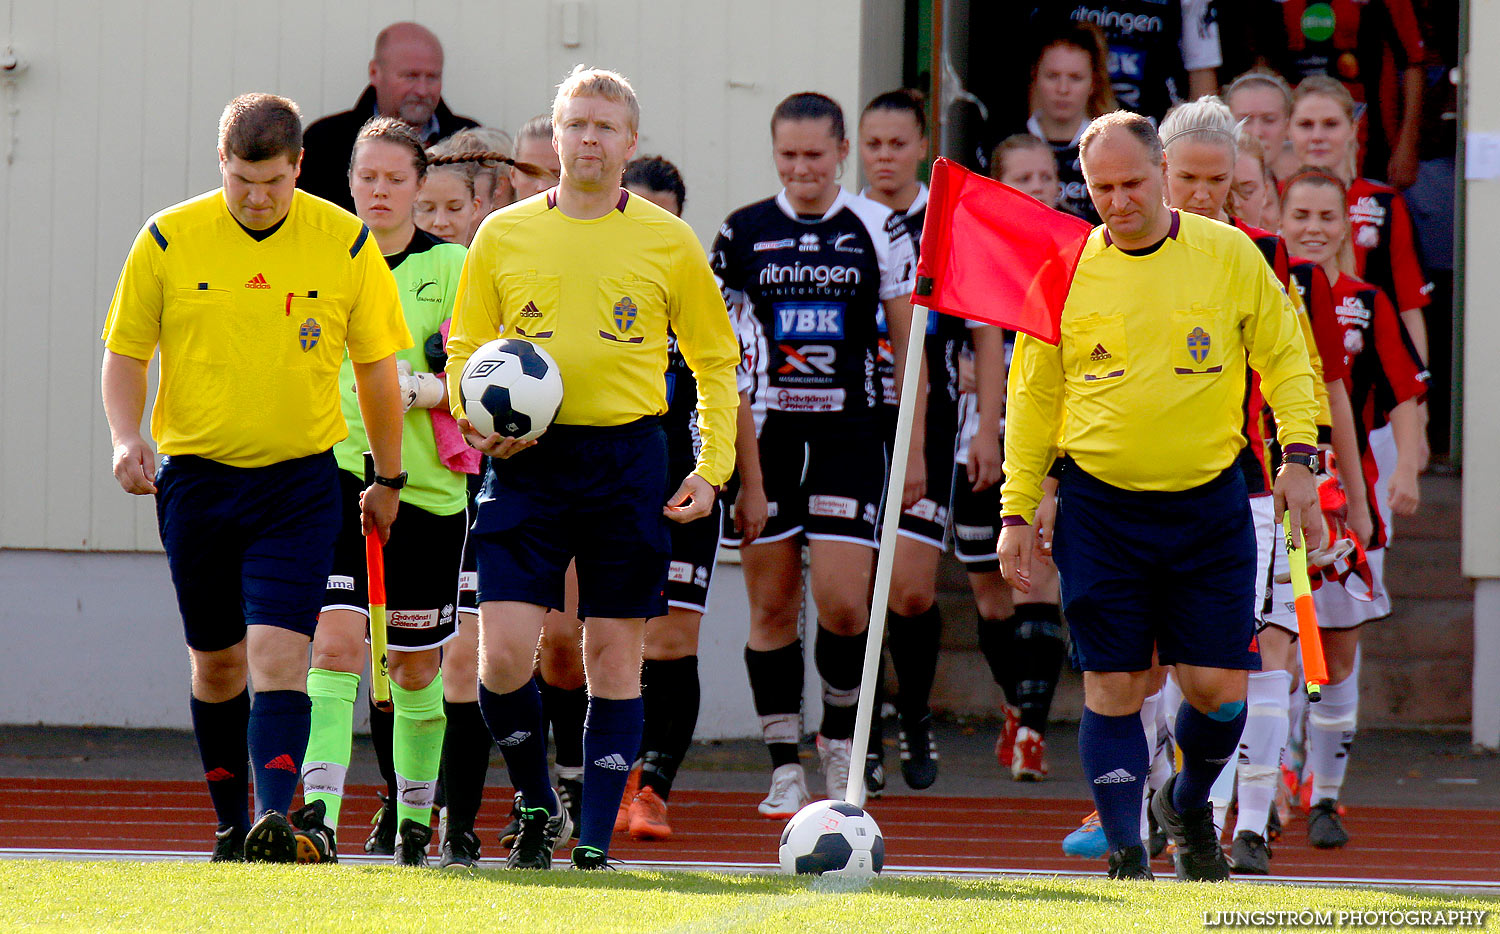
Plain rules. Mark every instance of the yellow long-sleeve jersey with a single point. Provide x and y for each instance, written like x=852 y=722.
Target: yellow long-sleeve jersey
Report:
x=599 y=295
x=1145 y=390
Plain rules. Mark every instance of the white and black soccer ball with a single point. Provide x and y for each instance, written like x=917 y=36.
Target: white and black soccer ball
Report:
x=832 y=838
x=511 y=386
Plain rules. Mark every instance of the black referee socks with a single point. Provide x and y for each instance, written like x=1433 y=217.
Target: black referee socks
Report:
x=221 y=731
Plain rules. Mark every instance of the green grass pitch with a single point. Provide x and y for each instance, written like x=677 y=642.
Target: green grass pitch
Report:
x=170 y=897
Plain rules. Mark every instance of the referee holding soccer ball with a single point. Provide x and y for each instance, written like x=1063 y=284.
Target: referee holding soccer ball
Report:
x=1142 y=403
x=595 y=275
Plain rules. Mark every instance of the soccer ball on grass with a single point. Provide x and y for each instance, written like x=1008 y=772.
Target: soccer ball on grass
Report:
x=832 y=838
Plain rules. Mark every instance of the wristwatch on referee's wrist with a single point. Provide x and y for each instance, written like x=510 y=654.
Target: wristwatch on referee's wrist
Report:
x=1312 y=461
x=396 y=483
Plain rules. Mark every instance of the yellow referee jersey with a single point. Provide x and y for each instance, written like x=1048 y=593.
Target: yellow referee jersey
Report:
x=599 y=296
x=252 y=332
x=1146 y=388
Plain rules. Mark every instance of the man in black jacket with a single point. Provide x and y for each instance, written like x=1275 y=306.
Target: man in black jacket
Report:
x=406 y=81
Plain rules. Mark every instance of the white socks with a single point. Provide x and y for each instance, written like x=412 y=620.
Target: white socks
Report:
x=1268 y=698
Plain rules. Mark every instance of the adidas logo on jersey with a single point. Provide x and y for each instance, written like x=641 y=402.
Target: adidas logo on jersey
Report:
x=614 y=761
x=531 y=311
x=259 y=282
x=515 y=739
x=1099 y=353
x=1117 y=777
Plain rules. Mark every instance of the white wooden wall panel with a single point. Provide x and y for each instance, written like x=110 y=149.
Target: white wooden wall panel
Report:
x=118 y=113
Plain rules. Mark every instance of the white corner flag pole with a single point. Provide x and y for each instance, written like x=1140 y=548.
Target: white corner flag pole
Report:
x=854 y=793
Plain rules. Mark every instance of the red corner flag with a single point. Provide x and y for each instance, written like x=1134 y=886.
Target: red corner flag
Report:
x=992 y=254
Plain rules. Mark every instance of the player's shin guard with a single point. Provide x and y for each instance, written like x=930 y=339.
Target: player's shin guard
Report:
x=1114 y=756
x=515 y=721
x=1330 y=732
x=220 y=731
x=466 y=760
x=417 y=748
x=1039 y=648
x=1207 y=741
x=278 y=728
x=914 y=642
x=776 y=684
x=997 y=644
x=611 y=737
x=329 y=739
x=841 y=662
x=1266 y=727
x=670 y=692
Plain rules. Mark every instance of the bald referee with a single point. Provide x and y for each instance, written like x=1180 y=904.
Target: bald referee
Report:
x=1140 y=405
x=595 y=275
x=253 y=292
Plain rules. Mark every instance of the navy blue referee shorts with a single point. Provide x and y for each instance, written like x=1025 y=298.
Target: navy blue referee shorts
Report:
x=584 y=493
x=247 y=545
x=1174 y=571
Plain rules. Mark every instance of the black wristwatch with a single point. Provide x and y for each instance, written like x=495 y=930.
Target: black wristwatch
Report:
x=396 y=483
x=1313 y=462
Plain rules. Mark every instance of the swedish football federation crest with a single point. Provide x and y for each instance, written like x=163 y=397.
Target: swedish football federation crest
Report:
x=1198 y=344
x=308 y=334
x=625 y=312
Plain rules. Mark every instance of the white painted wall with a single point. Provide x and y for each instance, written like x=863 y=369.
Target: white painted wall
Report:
x=116 y=116
x=95 y=640
x=1481 y=489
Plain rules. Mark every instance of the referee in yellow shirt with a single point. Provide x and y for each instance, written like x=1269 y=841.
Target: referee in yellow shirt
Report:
x=595 y=275
x=253 y=292
x=1141 y=406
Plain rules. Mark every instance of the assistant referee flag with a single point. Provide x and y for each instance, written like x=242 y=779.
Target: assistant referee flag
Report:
x=993 y=254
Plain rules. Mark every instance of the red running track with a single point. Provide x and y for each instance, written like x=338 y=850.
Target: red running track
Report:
x=928 y=833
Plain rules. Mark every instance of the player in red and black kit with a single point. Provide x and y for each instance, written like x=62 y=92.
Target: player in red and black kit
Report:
x=1374 y=48
x=805 y=274
x=1386 y=381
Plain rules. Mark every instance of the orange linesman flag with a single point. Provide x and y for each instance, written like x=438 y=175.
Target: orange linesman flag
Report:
x=993 y=254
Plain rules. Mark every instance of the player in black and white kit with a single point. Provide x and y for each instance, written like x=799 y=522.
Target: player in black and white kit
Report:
x=893 y=144
x=804 y=274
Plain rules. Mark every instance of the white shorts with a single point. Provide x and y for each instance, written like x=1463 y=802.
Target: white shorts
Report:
x=1336 y=609
x=1383 y=446
x=1274 y=603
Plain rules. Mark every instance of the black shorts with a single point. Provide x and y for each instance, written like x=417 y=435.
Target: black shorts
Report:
x=930 y=518
x=421 y=571
x=976 y=523
x=585 y=493
x=1173 y=571
x=695 y=550
x=823 y=481
x=247 y=545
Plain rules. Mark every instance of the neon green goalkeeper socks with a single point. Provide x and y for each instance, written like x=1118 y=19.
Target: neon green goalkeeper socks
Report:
x=417 y=748
x=329 y=739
